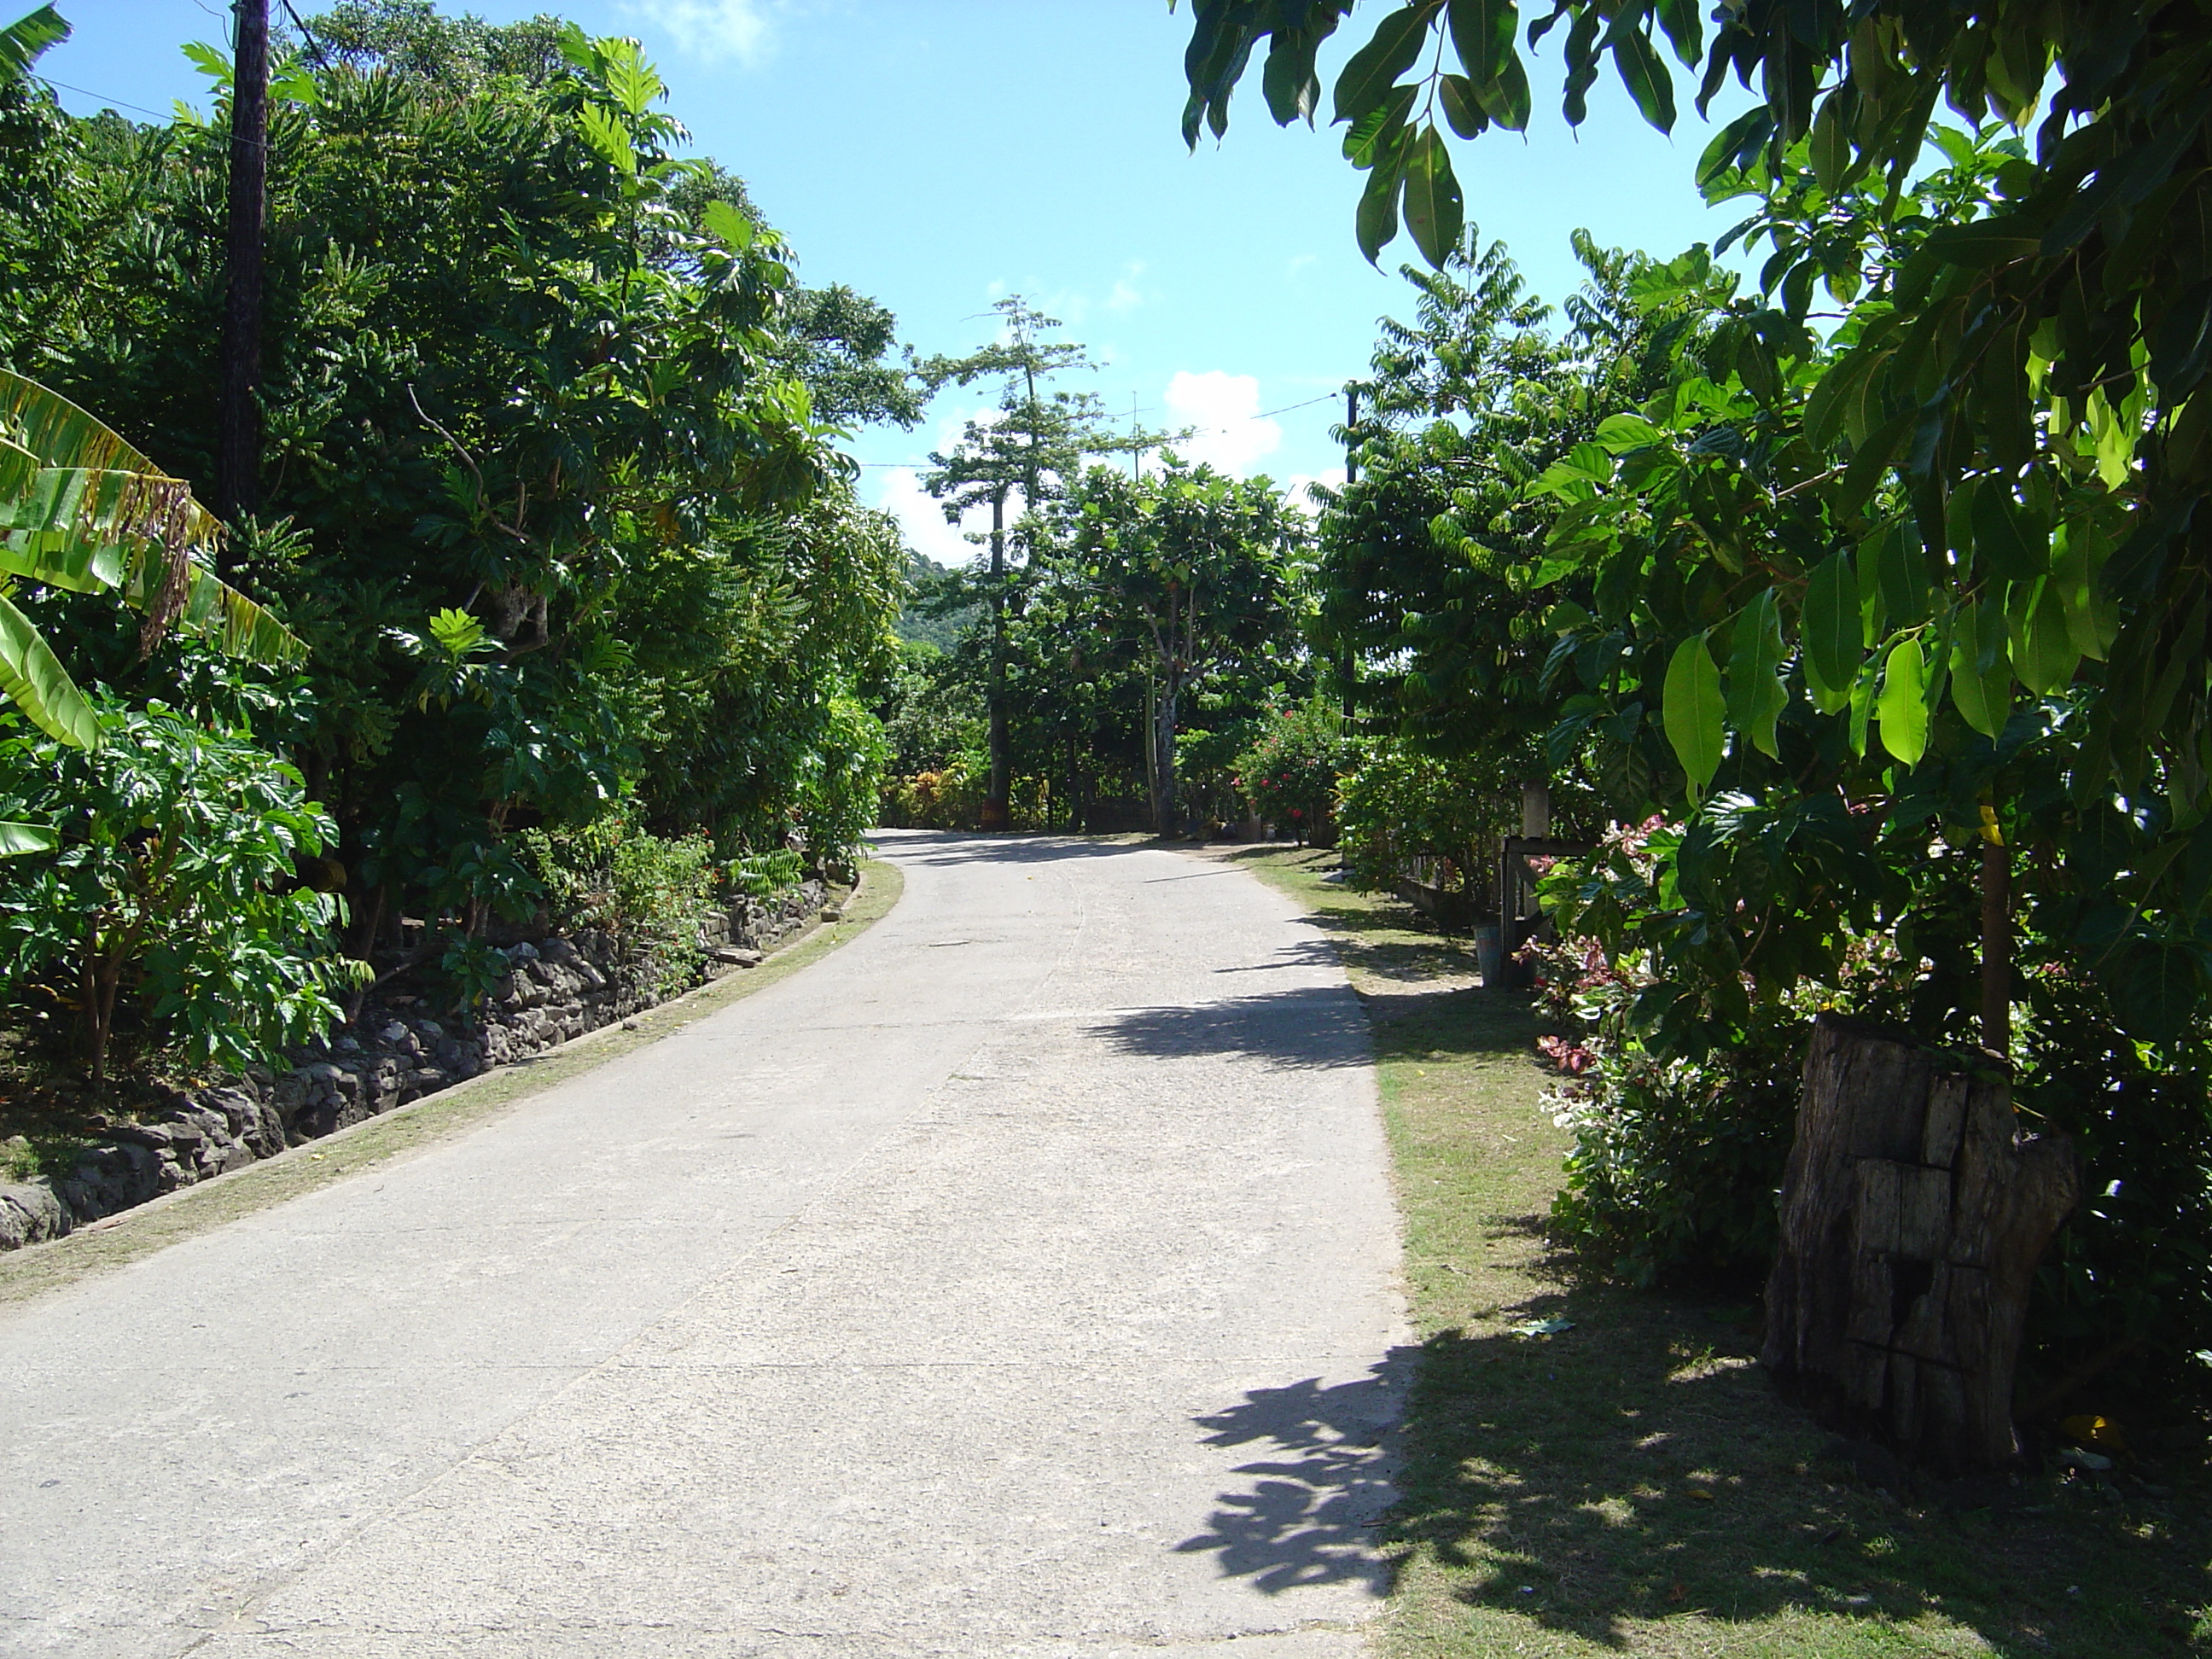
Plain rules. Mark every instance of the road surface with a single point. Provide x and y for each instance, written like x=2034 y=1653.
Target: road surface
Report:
x=1019 y=1279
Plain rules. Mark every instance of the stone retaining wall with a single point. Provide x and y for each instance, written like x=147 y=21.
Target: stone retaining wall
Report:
x=555 y=989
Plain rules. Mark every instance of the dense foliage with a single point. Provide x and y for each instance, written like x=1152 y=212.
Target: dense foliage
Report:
x=550 y=495
x=1292 y=772
x=1894 y=625
x=175 y=876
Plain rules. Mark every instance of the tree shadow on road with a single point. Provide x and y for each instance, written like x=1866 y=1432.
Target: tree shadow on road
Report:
x=1303 y=1028
x=943 y=848
x=1320 y=1484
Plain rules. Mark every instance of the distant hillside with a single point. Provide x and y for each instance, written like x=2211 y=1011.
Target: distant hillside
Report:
x=933 y=585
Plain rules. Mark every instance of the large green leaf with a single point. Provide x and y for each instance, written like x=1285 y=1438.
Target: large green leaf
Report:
x=1377 y=221
x=1756 y=697
x=1645 y=74
x=1389 y=52
x=1694 y=712
x=23 y=41
x=1902 y=706
x=17 y=839
x=605 y=134
x=1981 y=678
x=1506 y=99
x=2006 y=535
x=1482 y=33
x=2044 y=652
x=33 y=679
x=1461 y=107
x=1831 y=631
x=1433 y=209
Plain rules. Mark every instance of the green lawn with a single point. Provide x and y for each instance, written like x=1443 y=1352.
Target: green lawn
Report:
x=1631 y=1485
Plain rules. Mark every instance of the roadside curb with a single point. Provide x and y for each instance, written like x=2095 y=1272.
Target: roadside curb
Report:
x=120 y=1239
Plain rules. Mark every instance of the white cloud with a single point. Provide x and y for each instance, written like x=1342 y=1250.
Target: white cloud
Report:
x=710 y=29
x=1125 y=295
x=1300 y=489
x=921 y=518
x=1225 y=409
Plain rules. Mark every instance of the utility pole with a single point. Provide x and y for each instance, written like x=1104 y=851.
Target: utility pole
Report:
x=238 y=467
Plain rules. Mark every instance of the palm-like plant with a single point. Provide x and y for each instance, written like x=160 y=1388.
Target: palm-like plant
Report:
x=82 y=510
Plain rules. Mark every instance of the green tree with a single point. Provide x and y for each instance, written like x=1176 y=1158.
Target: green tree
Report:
x=2017 y=429
x=523 y=366
x=1203 y=570
x=1036 y=441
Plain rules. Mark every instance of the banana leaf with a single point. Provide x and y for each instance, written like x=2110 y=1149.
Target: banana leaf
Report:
x=23 y=40
x=33 y=679
x=81 y=509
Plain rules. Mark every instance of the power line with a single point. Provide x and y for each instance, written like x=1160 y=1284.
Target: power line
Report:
x=1243 y=420
x=118 y=103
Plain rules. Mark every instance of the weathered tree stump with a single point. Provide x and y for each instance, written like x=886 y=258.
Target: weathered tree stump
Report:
x=1914 y=1213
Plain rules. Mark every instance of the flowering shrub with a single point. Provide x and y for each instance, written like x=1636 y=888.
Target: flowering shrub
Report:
x=1676 y=1160
x=1290 y=772
x=1677 y=1154
x=948 y=798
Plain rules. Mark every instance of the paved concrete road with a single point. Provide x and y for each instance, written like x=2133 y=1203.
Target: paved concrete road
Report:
x=1016 y=1281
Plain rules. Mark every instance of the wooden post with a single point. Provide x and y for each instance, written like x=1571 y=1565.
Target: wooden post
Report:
x=237 y=464
x=1914 y=1214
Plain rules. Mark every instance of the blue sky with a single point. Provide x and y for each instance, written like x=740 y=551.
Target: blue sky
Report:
x=939 y=153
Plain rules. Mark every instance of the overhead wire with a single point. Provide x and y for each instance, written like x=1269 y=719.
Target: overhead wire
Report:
x=1326 y=396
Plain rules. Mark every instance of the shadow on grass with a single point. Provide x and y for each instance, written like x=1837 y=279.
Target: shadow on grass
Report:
x=1636 y=1469
x=1382 y=935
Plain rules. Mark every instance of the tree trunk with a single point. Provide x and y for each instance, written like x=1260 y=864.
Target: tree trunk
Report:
x=1151 y=749
x=1164 y=775
x=95 y=1028
x=238 y=467
x=995 y=815
x=1914 y=1214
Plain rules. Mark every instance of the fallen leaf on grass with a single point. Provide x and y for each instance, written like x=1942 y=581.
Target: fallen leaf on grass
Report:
x=1700 y=1494
x=1544 y=1328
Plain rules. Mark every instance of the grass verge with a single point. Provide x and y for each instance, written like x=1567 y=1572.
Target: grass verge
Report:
x=124 y=1238
x=1630 y=1485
